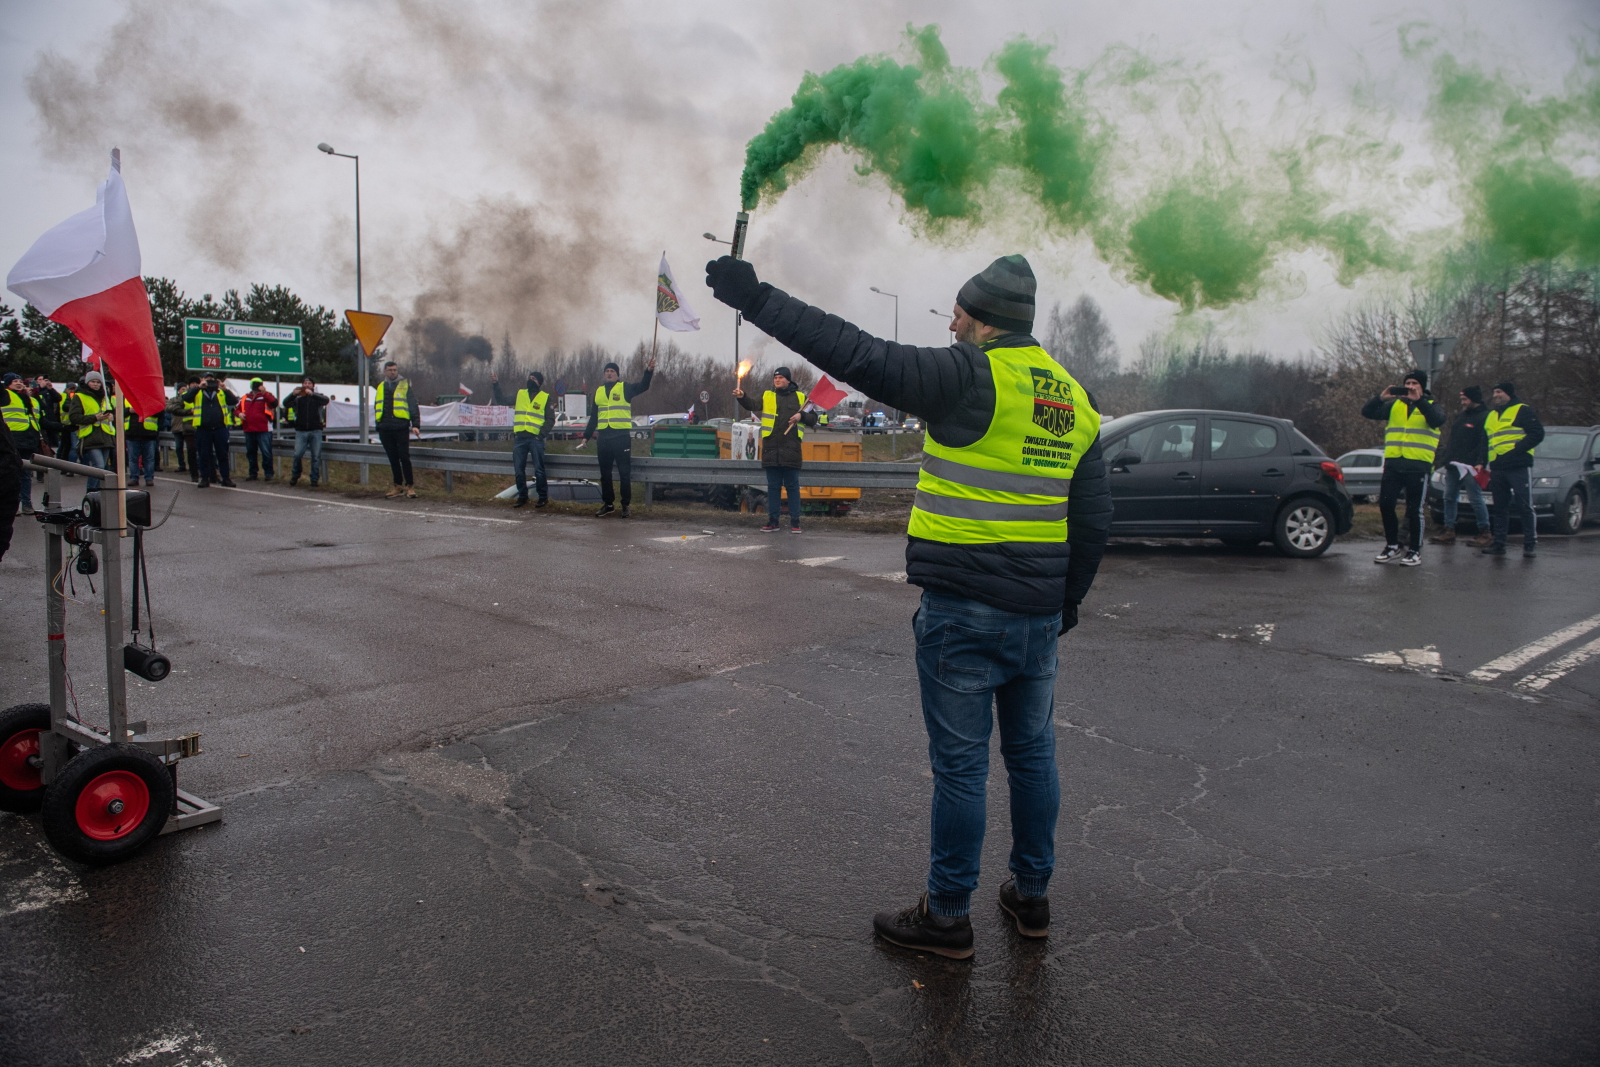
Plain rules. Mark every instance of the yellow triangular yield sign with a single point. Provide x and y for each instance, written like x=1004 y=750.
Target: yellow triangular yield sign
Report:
x=369 y=328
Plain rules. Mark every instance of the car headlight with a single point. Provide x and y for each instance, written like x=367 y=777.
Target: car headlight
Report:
x=1546 y=483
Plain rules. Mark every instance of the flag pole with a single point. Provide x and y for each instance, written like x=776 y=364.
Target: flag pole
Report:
x=114 y=393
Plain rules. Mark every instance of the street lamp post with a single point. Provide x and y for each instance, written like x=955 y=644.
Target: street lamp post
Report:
x=366 y=414
x=896 y=297
x=738 y=317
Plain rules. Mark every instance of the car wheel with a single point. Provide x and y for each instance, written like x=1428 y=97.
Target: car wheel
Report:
x=1303 y=529
x=1569 y=516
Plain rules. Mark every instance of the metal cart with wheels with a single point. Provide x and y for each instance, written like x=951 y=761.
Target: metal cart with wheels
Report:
x=103 y=793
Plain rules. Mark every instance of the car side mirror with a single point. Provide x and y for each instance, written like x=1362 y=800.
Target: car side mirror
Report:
x=1126 y=458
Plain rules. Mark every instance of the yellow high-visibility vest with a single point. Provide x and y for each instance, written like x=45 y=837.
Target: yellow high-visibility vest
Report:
x=1503 y=431
x=401 y=388
x=1012 y=483
x=769 y=414
x=1409 y=436
x=616 y=413
x=19 y=416
x=530 y=414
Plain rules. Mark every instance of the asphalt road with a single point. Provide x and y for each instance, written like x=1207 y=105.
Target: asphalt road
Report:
x=558 y=790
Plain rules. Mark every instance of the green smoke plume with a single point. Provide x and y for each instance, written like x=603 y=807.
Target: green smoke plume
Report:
x=1202 y=222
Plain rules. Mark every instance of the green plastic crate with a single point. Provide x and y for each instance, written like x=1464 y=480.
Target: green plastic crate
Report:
x=686 y=442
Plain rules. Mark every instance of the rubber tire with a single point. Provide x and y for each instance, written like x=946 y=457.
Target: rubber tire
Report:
x=15 y=718
x=1280 y=531
x=1563 y=526
x=725 y=497
x=61 y=800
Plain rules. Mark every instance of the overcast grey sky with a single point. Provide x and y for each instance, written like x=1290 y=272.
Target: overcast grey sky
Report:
x=524 y=165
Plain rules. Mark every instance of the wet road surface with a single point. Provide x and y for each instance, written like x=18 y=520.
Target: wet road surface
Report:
x=554 y=790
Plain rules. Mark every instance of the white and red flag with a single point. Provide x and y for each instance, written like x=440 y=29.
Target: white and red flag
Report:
x=824 y=396
x=464 y=390
x=84 y=274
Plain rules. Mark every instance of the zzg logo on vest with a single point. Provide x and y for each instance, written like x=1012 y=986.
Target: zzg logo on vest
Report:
x=1052 y=402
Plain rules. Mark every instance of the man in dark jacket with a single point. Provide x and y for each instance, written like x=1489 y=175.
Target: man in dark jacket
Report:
x=782 y=417
x=612 y=421
x=1467 y=446
x=185 y=444
x=1008 y=528
x=533 y=413
x=306 y=412
x=140 y=437
x=1411 y=438
x=211 y=413
x=1514 y=432
x=50 y=424
x=11 y=473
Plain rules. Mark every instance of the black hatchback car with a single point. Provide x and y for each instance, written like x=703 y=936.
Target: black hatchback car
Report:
x=1234 y=476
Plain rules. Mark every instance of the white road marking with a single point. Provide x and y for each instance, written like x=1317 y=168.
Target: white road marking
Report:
x=373 y=507
x=1264 y=630
x=1416 y=659
x=35 y=878
x=814 y=561
x=176 y=1049
x=1532 y=650
x=679 y=539
x=734 y=549
x=1563 y=666
x=890 y=576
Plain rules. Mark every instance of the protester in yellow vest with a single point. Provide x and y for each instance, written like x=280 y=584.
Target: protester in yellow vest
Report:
x=530 y=426
x=184 y=443
x=1514 y=432
x=22 y=414
x=1411 y=436
x=211 y=415
x=89 y=412
x=1009 y=523
x=612 y=421
x=399 y=418
x=783 y=422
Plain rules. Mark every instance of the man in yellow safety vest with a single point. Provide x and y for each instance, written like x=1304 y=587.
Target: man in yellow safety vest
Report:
x=530 y=426
x=1007 y=530
x=398 y=418
x=783 y=428
x=612 y=422
x=22 y=418
x=89 y=412
x=1514 y=432
x=1411 y=437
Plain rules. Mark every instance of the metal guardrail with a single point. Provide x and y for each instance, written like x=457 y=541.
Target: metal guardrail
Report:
x=652 y=470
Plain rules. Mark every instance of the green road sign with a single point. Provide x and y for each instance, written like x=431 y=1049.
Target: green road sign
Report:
x=241 y=348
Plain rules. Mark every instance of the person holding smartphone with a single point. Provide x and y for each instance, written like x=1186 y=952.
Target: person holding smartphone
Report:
x=1410 y=439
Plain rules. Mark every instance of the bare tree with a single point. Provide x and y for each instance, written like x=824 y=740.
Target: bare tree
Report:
x=1081 y=340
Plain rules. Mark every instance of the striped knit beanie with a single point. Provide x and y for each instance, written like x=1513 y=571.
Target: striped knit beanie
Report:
x=1002 y=296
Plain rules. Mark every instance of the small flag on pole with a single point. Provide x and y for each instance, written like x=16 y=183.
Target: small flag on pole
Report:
x=824 y=396
x=464 y=390
x=672 y=311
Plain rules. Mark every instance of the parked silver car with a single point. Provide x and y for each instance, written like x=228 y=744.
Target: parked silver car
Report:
x=1566 y=479
x=1363 y=473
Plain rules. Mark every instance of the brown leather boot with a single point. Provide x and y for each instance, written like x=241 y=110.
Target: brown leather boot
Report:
x=1483 y=540
x=1446 y=536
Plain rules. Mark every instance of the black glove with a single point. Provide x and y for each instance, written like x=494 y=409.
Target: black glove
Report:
x=1069 y=618
x=733 y=281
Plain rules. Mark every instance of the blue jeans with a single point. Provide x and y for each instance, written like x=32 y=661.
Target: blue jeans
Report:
x=787 y=478
x=1453 y=484
x=521 y=450
x=1514 y=488
x=972 y=657
x=141 y=457
x=259 y=441
x=94 y=457
x=304 y=440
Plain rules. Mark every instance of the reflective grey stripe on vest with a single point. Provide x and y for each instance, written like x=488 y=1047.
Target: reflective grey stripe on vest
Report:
x=987 y=510
x=1000 y=481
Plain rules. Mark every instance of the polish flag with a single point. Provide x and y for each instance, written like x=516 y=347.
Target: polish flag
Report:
x=824 y=395
x=464 y=390
x=85 y=275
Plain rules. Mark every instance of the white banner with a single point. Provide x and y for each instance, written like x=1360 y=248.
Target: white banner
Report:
x=347 y=416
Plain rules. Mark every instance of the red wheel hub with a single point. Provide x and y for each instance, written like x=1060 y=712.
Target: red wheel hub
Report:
x=113 y=805
x=15 y=751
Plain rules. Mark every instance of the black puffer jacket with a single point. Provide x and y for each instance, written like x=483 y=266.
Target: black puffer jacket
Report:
x=953 y=390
